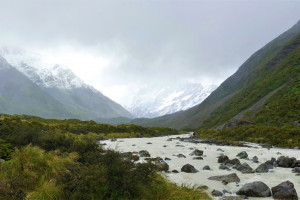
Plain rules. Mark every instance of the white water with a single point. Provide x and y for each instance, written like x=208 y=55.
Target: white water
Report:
x=156 y=149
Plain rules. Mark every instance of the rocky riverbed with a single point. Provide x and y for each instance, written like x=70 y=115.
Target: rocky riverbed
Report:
x=226 y=170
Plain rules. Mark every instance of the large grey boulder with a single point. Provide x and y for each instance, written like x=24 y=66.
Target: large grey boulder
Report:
x=285 y=190
x=255 y=189
x=233 y=162
x=226 y=178
x=188 y=168
x=245 y=168
x=285 y=162
x=262 y=168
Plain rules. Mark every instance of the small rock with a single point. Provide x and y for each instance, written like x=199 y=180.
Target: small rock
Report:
x=285 y=190
x=226 y=191
x=223 y=167
x=206 y=167
x=220 y=150
x=133 y=145
x=242 y=155
x=175 y=171
x=169 y=139
x=113 y=139
x=198 y=158
x=196 y=152
x=165 y=146
x=255 y=189
x=166 y=158
x=255 y=159
x=189 y=169
x=144 y=153
x=149 y=143
x=216 y=193
x=162 y=166
x=296 y=170
x=233 y=162
x=181 y=156
x=232 y=198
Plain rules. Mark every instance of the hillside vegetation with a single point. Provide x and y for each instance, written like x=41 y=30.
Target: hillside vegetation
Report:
x=60 y=159
x=273 y=66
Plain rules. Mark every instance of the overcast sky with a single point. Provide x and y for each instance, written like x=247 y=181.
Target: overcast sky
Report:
x=119 y=46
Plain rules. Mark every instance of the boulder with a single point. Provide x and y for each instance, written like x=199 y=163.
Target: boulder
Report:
x=285 y=190
x=216 y=193
x=188 y=169
x=181 y=156
x=196 y=152
x=286 y=162
x=113 y=139
x=206 y=167
x=149 y=143
x=223 y=167
x=169 y=139
x=245 y=168
x=271 y=163
x=228 y=178
x=162 y=166
x=223 y=159
x=263 y=168
x=296 y=164
x=255 y=159
x=198 y=158
x=255 y=189
x=166 y=158
x=242 y=155
x=234 y=161
x=175 y=171
x=144 y=153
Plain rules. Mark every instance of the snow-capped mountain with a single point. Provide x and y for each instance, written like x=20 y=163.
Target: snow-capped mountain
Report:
x=62 y=84
x=149 y=102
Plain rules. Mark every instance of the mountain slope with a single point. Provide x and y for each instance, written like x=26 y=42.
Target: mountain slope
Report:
x=275 y=64
x=150 y=102
x=18 y=95
x=63 y=85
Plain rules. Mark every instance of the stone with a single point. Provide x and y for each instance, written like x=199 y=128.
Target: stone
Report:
x=242 y=155
x=165 y=146
x=255 y=159
x=166 y=158
x=169 y=139
x=188 y=168
x=262 y=168
x=181 y=156
x=149 y=143
x=255 y=189
x=113 y=139
x=286 y=162
x=234 y=161
x=198 y=158
x=175 y=171
x=223 y=159
x=223 y=167
x=206 y=167
x=196 y=152
x=228 y=178
x=216 y=193
x=144 y=153
x=220 y=150
x=245 y=168
x=285 y=190
x=232 y=198
x=162 y=166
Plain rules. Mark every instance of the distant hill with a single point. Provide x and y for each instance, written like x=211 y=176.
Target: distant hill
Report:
x=265 y=89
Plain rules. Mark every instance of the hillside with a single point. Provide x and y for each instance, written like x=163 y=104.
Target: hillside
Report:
x=60 y=85
x=273 y=66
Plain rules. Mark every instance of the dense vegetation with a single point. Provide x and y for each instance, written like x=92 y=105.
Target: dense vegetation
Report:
x=284 y=136
x=59 y=159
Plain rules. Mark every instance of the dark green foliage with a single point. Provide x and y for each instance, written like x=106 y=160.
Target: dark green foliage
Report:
x=284 y=136
x=5 y=149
